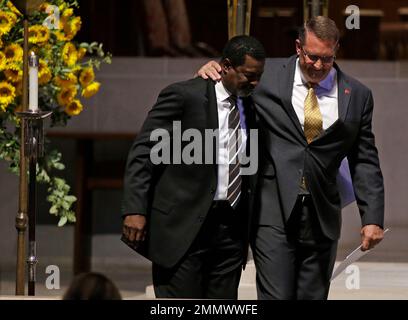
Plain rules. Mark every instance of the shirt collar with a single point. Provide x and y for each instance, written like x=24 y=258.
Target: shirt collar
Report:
x=326 y=85
x=221 y=92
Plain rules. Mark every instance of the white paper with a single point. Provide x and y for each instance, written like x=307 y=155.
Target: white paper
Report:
x=355 y=255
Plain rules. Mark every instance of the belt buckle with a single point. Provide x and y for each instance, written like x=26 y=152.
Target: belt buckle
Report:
x=303 y=183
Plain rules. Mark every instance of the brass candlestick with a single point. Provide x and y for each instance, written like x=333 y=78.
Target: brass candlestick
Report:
x=26 y=7
x=239 y=17
x=34 y=149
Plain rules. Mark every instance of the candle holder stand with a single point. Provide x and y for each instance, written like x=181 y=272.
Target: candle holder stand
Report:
x=27 y=8
x=33 y=127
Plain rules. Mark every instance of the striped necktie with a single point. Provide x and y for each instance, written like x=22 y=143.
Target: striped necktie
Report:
x=234 y=144
x=313 y=125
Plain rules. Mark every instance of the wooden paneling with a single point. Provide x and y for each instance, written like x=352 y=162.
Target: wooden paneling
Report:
x=116 y=24
x=390 y=8
x=120 y=25
x=275 y=24
x=370 y=41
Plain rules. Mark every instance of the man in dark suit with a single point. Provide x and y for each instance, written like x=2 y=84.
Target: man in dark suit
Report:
x=191 y=219
x=311 y=116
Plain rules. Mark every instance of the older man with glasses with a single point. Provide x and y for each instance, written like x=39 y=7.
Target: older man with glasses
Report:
x=311 y=117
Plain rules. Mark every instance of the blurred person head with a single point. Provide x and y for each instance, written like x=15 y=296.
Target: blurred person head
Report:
x=242 y=64
x=316 y=47
x=92 y=286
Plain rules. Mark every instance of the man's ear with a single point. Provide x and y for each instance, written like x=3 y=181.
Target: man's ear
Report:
x=337 y=47
x=298 y=47
x=225 y=65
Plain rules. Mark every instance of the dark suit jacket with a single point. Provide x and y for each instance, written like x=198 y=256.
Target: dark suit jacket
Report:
x=176 y=197
x=287 y=156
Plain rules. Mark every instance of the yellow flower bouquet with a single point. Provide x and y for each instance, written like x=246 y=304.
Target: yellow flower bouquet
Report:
x=66 y=75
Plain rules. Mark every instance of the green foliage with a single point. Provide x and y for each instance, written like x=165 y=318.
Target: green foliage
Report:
x=66 y=76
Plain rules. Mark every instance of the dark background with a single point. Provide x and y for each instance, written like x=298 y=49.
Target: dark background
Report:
x=121 y=26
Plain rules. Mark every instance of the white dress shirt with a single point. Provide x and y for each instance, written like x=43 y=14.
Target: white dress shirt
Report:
x=326 y=93
x=223 y=106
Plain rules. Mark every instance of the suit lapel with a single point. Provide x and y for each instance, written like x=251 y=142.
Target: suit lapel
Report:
x=286 y=79
x=212 y=109
x=343 y=101
x=249 y=113
x=344 y=94
x=247 y=104
x=212 y=120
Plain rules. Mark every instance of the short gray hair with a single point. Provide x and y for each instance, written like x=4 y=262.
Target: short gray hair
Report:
x=324 y=28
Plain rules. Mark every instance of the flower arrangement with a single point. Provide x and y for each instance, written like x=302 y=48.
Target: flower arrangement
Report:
x=66 y=76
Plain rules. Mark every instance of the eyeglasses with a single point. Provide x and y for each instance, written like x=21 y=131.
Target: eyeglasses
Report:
x=314 y=58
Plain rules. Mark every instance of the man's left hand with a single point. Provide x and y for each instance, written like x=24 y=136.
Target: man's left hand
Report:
x=371 y=234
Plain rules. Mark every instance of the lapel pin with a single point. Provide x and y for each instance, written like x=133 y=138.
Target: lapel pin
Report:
x=347 y=91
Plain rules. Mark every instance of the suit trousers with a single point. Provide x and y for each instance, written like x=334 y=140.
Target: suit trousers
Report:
x=211 y=269
x=295 y=262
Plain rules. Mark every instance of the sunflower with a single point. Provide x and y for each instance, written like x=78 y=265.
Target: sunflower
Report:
x=69 y=54
x=7 y=94
x=13 y=53
x=72 y=27
x=43 y=7
x=44 y=34
x=13 y=73
x=60 y=36
x=74 y=108
x=7 y=20
x=91 y=90
x=68 y=13
x=69 y=80
x=87 y=76
x=44 y=72
x=2 y=61
x=45 y=77
x=38 y=34
x=81 y=53
x=11 y=6
x=76 y=69
x=62 y=6
x=66 y=95
x=75 y=24
x=62 y=22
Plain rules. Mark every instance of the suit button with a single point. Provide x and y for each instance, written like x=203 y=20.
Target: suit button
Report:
x=212 y=191
x=200 y=219
x=249 y=191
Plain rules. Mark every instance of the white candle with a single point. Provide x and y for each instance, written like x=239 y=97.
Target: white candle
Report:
x=33 y=83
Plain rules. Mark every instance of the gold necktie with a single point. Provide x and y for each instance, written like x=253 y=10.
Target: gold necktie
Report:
x=313 y=125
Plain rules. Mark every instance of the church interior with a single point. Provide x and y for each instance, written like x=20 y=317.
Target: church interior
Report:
x=153 y=45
